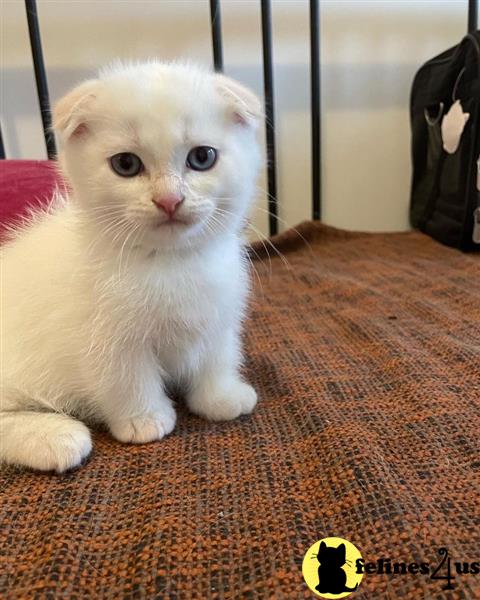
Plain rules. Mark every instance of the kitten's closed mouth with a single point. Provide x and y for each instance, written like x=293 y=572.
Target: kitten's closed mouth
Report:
x=171 y=223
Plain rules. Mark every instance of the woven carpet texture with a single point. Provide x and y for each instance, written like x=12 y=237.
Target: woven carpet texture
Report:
x=365 y=351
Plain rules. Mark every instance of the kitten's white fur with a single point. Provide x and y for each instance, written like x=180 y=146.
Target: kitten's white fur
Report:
x=102 y=306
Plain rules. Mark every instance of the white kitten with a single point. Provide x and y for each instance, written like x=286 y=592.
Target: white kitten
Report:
x=138 y=280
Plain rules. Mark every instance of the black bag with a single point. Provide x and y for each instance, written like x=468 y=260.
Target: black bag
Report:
x=445 y=199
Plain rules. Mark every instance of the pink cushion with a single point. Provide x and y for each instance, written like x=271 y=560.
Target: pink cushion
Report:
x=24 y=184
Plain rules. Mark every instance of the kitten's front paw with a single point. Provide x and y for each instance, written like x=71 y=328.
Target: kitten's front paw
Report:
x=62 y=447
x=224 y=403
x=144 y=428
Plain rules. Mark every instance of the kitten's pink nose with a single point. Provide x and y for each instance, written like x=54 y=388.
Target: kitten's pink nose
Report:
x=168 y=204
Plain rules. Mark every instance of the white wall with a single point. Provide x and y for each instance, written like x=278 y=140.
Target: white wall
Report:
x=370 y=52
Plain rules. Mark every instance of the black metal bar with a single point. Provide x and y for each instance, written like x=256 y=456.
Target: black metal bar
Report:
x=315 y=109
x=472 y=15
x=2 y=147
x=216 y=22
x=269 y=114
x=40 y=76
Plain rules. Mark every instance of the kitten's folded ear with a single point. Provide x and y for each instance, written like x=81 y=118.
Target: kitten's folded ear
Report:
x=245 y=107
x=70 y=115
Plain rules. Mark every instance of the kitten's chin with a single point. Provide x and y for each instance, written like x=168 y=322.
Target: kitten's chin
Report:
x=180 y=226
x=174 y=234
x=185 y=231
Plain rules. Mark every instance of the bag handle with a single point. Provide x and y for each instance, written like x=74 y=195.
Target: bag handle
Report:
x=472 y=15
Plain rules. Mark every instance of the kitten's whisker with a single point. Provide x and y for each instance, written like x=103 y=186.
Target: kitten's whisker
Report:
x=133 y=237
x=256 y=273
x=214 y=219
x=270 y=270
x=106 y=219
x=211 y=221
x=259 y=258
x=129 y=234
x=307 y=243
x=274 y=248
x=106 y=209
x=251 y=249
x=112 y=226
x=122 y=230
x=117 y=227
x=228 y=213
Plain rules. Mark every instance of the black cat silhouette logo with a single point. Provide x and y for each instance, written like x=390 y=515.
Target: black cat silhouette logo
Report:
x=329 y=568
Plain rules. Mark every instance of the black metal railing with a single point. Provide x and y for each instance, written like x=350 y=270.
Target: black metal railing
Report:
x=315 y=109
x=2 y=147
x=269 y=100
x=40 y=76
x=269 y=115
x=216 y=23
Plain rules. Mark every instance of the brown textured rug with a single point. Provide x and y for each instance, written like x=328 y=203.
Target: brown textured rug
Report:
x=365 y=350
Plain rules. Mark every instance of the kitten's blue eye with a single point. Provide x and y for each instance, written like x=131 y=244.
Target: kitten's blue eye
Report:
x=201 y=158
x=126 y=164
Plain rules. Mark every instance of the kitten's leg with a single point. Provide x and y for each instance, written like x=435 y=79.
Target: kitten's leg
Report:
x=217 y=392
x=132 y=400
x=44 y=441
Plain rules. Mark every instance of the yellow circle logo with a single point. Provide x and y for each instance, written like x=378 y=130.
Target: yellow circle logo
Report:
x=329 y=568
